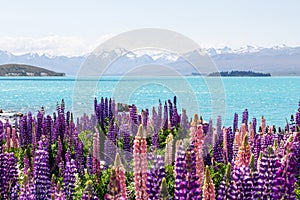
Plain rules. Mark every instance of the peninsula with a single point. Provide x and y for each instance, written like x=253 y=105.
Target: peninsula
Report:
x=26 y=70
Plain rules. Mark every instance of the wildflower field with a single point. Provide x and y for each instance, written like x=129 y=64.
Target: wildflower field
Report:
x=150 y=154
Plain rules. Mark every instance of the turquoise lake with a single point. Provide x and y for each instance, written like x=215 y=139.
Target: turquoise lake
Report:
x=274 y=97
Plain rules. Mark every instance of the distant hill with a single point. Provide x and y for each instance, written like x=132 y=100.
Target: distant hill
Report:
x=26 y=70
x=239 y=74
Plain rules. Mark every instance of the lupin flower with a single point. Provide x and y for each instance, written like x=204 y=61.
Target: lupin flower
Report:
x=41 y=174
x=184 y=123
x=169 y=149
x=127 y=147
x=96 y=152
x=268 y=167
x=235 y=122
x=113 y=187
x=26 y=189
x=186 y=181
x=14 y=135
x=120 y=176
x=242 y=184
x=263 y=124
x=244 y=154
x=88 y=193
x=145 y=115
x=58 y=194
x=254 y=125
x=133 y=120
x=219 y=130
x=284 y=186
x=9 y=174
x=155 y=175
x=229 y=141
x=140 y=165
x=208 y=191
x=224 y=191
x=164 y=194
x=245 y=118
x=110 y=145
x=69 y=179
x=198 y=145
x=165 y=119
x=217 y=150
x=80 y=158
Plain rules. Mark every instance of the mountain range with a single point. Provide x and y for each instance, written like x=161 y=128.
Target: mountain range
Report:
x=277 y=60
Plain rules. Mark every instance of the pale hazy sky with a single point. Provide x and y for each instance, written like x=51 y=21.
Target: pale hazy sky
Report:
x=73 y=27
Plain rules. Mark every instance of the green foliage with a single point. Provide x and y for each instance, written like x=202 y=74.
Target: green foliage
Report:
x=130 y=185
x=170 y=177
x=217 y=171
x=162 y=136
x=101 y=183
x=87 y=139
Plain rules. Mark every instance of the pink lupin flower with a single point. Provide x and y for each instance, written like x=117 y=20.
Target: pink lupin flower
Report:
x=140 y=165
x=198 y=145
x=208 y=186
x=120 y=175
x=244 y=154
x=169 y=149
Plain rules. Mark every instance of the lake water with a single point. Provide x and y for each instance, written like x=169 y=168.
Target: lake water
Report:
x=274 y=97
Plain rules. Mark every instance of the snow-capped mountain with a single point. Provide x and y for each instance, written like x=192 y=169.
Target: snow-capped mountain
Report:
x=281 y=59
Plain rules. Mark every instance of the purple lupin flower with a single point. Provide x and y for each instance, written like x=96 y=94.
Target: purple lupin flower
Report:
x=245 y=118
x=69 y=179
x=217 y=150
x=89 y=164
x=127 y=147
x=267 y=174
x=235 y=122
x=159 y=116
x=110 y=110
x=9 y=175
x=23 y=139
x=155 y=141
x=180 y=182
x=133 y=120
x=106 y=107
x=80 y=158
x=220 y=130
x=229 y=141
x=186 y=181
x=193 y=185
x=39 y=126
x=170 y=112
x=57 y=193
x=284 y=187
x=145 y=115
x=15 y=192
x=155 y=175
x=224 y=191
x=110 y=145
x=165 y=119
x=254 y=122
x=26 y=189
x=242 y=185
x=88 y=193
x=41 y=173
